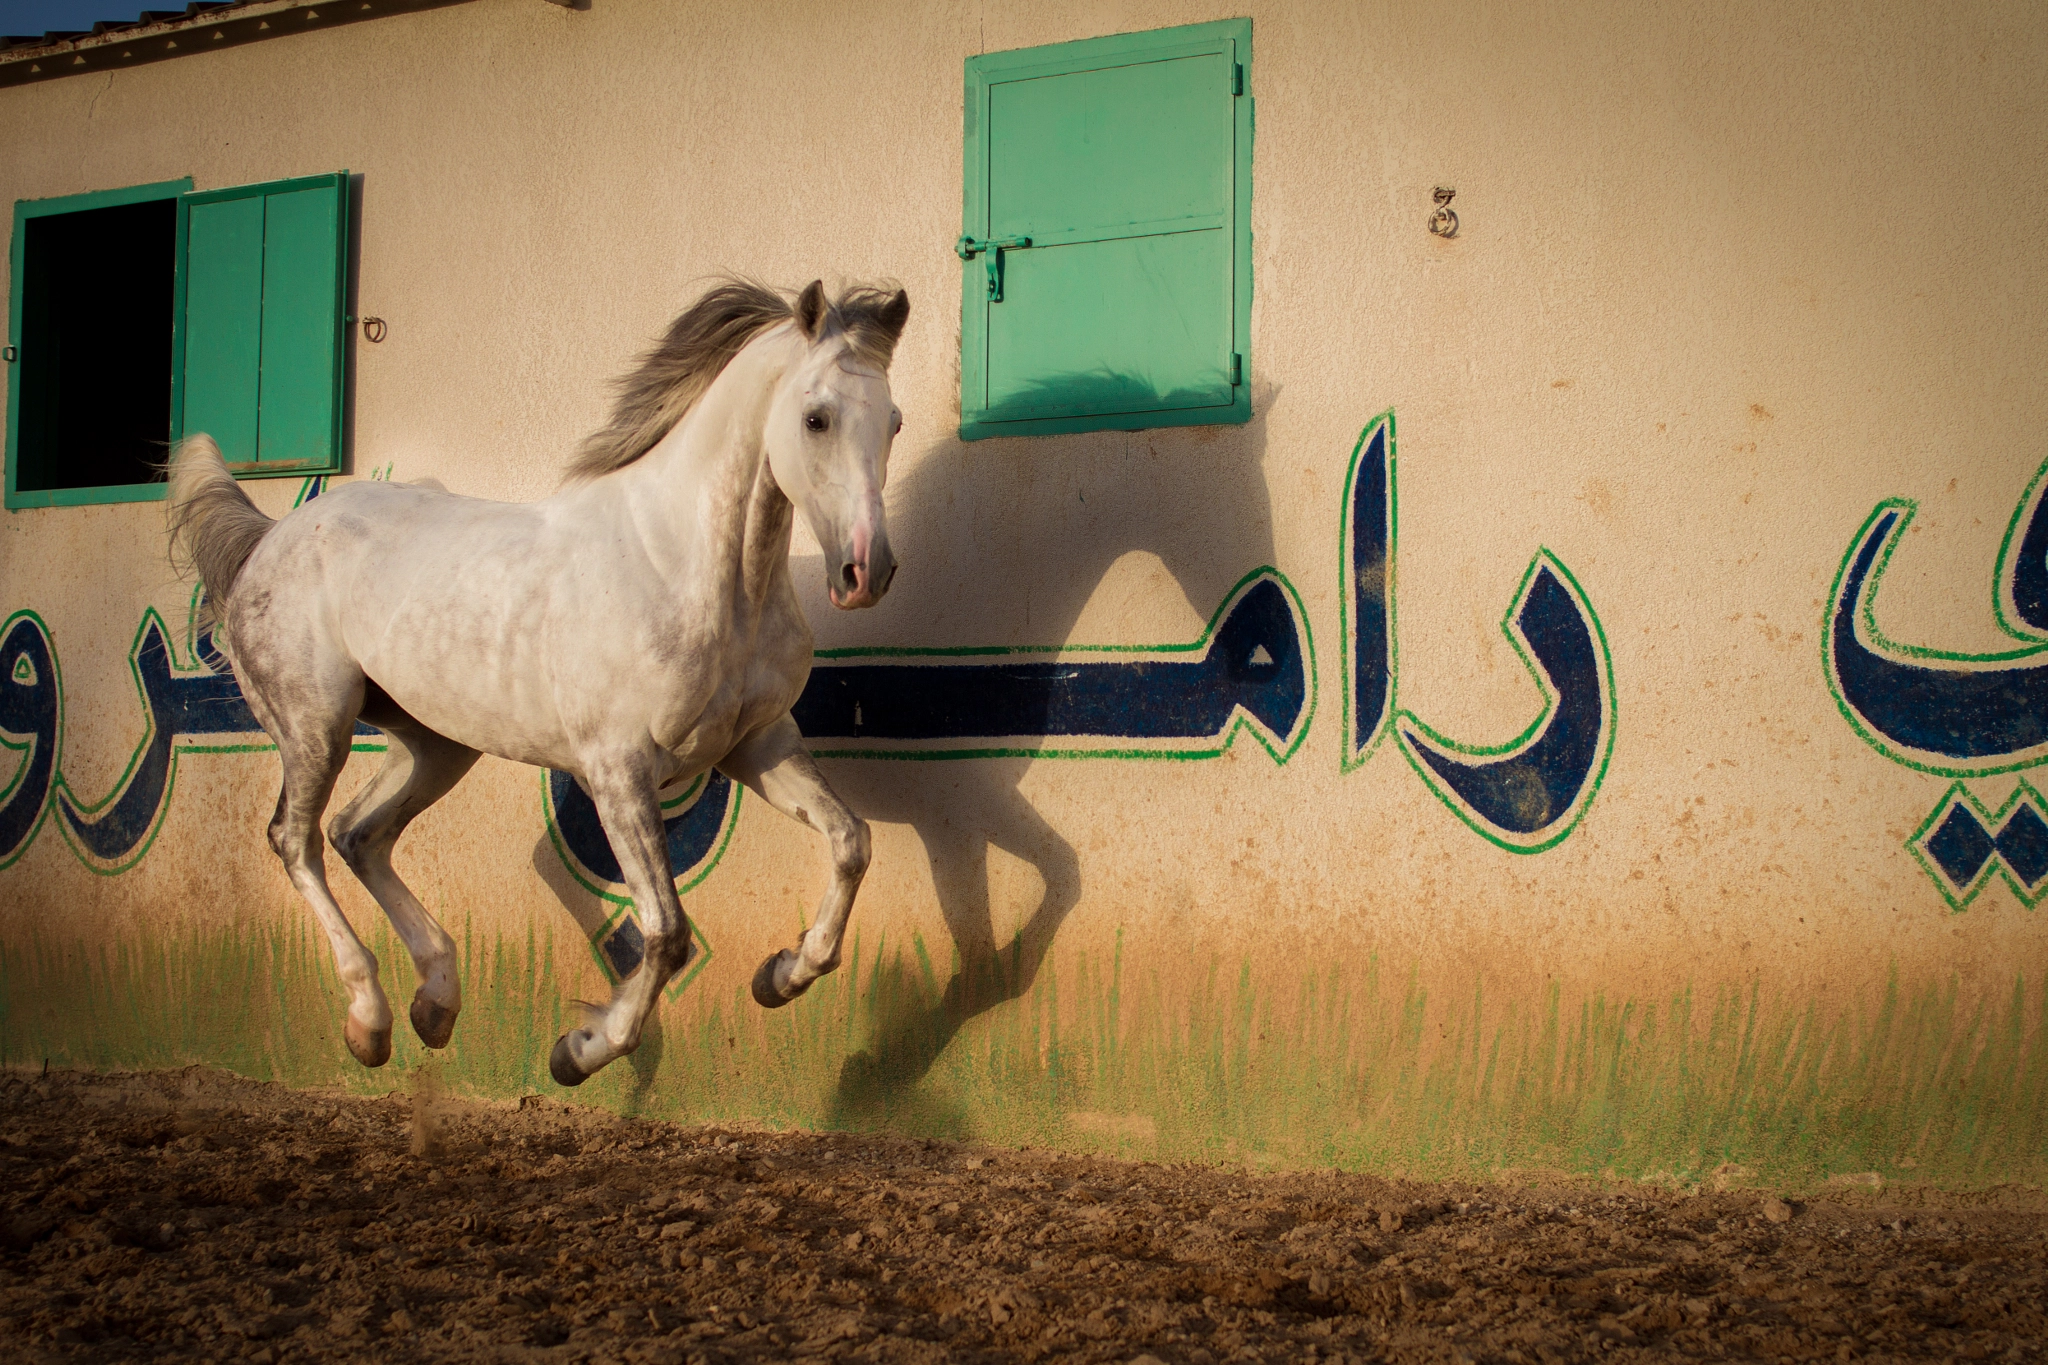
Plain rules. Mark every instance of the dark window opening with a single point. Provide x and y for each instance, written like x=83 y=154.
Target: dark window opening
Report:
x=98 y=290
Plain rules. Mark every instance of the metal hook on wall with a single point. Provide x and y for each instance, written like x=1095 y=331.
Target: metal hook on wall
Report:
x=373 y=330
x=1444 y=223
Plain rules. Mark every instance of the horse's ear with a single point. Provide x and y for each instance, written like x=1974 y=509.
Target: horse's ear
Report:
x=810 y=310
x=876 y=327
x=892 y=316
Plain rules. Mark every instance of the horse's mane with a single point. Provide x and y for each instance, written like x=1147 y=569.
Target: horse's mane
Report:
x=656 y=393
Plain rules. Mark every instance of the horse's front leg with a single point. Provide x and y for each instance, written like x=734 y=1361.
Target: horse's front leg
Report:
x=774 y=763
x=624 y=795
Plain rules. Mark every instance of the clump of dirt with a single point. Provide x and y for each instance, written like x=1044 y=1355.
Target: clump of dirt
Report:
x=427 y=1111
x=195 y=1216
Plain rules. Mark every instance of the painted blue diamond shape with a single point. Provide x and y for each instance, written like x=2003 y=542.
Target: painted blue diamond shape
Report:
x=2023 y=843
x=1961 y=843
x=1961 y=846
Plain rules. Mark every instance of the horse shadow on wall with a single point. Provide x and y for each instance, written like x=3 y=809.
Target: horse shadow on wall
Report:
x=1004 y=542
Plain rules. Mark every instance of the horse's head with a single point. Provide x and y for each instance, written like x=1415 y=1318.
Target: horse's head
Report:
x=830 y=425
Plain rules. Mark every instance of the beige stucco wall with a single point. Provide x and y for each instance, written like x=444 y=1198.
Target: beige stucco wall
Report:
x=1726 y=278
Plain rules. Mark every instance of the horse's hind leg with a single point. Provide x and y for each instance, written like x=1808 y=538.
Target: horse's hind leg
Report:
x=420 y=766
x=313 y=743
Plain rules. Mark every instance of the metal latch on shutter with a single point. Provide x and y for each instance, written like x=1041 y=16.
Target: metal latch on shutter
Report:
x=990 y=251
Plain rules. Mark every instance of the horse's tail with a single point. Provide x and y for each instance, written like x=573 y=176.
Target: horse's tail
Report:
x=214 y=527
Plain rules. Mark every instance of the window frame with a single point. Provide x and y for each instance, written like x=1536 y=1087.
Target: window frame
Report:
x=17 y=263
x=1230 y=36
x=185 y=197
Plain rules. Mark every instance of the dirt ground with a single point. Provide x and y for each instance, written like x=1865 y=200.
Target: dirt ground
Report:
x=195 y=1216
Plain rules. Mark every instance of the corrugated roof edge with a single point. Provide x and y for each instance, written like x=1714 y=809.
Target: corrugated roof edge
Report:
x=201 y=27
x=149 y=16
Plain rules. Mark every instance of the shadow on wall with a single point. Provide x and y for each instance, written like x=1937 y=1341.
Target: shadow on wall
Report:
x=1092 y=393
x=1003 y=542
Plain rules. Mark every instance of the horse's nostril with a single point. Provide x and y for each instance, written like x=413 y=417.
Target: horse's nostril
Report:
x=848 y=579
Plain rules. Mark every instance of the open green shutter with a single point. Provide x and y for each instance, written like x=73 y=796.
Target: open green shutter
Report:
x=1125 y=164
x=262 y=289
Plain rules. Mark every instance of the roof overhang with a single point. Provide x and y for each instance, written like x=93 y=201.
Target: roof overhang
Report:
x=198 y=28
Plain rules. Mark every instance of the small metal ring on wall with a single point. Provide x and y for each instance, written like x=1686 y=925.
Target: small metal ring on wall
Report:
x=1444 y=223
x=373 y=330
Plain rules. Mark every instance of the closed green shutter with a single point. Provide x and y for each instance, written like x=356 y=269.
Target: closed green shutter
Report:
x=260 y=322
x=1110 y=180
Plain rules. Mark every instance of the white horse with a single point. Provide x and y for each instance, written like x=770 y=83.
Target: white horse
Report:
x=635 y=629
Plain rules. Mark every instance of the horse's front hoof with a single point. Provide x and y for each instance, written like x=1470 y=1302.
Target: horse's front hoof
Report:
x=371 y=1047
x=562 y=1065
x=767 y=989
x=432 y=1021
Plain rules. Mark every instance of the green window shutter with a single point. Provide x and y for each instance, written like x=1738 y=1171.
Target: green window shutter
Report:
x=261 y=293
x=1125 y=164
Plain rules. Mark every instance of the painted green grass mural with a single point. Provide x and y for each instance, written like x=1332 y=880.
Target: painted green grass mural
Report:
x=1359 y=1069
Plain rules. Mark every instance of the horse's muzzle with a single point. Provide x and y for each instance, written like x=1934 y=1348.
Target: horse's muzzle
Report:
x=861 y=580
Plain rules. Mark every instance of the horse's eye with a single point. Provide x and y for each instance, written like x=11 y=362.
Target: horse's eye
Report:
x=815 y=421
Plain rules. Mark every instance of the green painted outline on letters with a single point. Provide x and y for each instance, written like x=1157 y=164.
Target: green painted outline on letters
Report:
x=1240 y=720
x=1609 y=716
x=56 y=759
x=1350 y=759
x=2002 y=607
x=1957 y=792
x=163 y=805
x=180 y=745
x=1878 y=641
